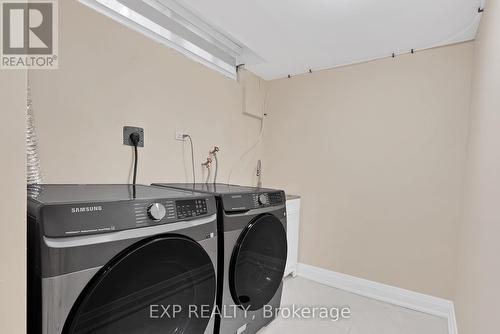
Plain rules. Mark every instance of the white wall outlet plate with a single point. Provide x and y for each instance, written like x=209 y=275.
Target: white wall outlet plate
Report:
x=179 y=135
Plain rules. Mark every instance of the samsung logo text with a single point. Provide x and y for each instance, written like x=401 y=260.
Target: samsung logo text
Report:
x=86 y=209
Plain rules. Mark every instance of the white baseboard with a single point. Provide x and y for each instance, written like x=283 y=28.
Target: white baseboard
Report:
x=409 y=299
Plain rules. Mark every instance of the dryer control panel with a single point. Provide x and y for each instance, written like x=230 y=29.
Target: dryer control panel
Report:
x=266 y=199
x=251 y=201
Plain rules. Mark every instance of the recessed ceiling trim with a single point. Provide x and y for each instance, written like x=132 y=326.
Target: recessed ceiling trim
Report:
x=174 y=30
x=182 y=15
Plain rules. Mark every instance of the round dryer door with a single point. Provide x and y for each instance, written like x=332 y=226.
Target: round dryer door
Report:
x=258 y=262
x=149 y=288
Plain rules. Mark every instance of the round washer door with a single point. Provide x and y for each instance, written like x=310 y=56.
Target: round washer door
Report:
x=258 y=262
x=148 y=288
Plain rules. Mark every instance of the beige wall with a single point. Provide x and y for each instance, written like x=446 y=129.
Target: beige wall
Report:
x=478 y=291
x=110 y=76
x=377 y=152
x=13 y=202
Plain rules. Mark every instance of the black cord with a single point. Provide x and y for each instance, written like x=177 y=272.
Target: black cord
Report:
x=135 y=138
x=135 y=165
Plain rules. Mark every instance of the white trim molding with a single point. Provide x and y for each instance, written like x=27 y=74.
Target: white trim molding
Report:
x=440 y=307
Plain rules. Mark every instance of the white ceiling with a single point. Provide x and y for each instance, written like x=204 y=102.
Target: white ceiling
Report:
x=293 y=36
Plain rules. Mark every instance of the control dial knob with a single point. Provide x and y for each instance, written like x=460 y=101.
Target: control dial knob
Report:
x=157 y=211
x=263 y=200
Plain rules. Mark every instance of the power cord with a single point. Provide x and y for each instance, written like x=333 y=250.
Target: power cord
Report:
x=135 y=138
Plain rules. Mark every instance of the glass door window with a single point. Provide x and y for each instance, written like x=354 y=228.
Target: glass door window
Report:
x=131 y=293
x=258 y=262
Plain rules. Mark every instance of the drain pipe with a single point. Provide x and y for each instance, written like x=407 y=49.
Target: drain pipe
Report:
x=259 y=174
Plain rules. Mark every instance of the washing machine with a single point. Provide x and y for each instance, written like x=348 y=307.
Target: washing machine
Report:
x=252 y=254
x=120 y=259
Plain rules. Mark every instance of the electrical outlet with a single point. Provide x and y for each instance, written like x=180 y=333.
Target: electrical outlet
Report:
x=128 y=130
x=179 y=135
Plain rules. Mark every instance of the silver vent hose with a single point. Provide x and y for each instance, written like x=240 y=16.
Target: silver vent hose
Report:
x=33 y=170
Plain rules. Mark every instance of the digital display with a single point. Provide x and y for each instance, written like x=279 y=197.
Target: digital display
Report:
x=191 y=208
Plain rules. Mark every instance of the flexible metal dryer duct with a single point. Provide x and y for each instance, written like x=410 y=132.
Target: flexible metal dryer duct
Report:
x=33 y=172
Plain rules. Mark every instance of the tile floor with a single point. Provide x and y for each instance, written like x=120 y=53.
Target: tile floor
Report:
x=368 y=316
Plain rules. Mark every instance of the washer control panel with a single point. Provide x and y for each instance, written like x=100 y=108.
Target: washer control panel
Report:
x=266 y=199
x=191 y=208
